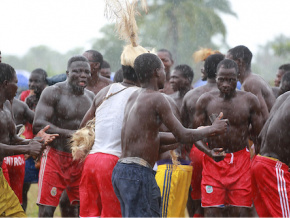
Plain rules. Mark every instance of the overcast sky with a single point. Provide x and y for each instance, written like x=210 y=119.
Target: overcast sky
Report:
x=67 y=24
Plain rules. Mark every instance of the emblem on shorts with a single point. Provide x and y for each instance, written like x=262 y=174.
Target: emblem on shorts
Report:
x=209 y=189
x=53 y=191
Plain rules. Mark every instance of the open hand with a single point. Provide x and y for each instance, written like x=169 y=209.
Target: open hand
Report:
x=47 y=137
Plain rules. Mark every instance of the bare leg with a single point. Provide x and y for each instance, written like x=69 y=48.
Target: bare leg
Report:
x=25 y=190
x=46 y=211
x=239 y=211
x=198 y=209
x=66 y=209
x=213 y=212
x=190 y=205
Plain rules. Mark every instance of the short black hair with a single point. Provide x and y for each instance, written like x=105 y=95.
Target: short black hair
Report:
x=286 y=77
x=243 y=52
x=285 y=67
x=186 y=71
x=118 y=77
x=6 y=72
x=145 y=64
x=228 y=64
x=129 y=73
x=211 y=63
x=96 y=56
x=41 y=72
x=76 y=58
x=165 y=50
x=105 y=64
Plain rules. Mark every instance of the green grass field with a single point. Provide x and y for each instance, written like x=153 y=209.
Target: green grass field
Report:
x=32 y=208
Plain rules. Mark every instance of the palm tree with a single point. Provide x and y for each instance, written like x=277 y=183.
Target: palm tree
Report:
x=181 y=26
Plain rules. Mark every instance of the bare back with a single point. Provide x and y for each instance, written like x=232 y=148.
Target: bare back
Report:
x=259 y=87
x=275 y=133
x=241 y=110
x=140 y=132
x=63 y=111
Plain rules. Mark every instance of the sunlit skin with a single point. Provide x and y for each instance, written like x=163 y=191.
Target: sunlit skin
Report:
x=242 y=109
x=256 y=85
x=96 y=82
x=168 y=63
x=140 y=136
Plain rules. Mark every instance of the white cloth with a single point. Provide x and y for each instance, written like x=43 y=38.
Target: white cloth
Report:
x=109 y=121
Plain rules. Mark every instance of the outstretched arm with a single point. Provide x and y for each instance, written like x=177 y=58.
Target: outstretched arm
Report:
x=44 y=113
x=182 y=134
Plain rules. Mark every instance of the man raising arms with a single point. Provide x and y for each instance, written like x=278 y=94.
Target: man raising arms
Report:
x=227 y=183
x=62 y=106
x=133 y=177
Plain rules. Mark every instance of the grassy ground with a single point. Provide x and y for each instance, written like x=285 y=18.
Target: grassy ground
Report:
x=32 y=208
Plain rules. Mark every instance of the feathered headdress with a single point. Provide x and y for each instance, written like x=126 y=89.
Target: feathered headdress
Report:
x=124 y=13
x=203 y=53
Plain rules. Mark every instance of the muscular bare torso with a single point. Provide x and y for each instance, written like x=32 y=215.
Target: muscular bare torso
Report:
x=102 y=82
x=239 y=110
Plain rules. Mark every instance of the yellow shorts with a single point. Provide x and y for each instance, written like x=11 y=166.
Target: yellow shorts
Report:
x=174 y=183
x=9 y=203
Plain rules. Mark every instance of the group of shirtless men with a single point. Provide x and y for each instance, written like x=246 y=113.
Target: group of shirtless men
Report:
x=138 y=122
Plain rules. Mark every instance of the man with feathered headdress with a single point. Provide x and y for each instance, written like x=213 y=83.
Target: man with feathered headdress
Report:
x=99 y=141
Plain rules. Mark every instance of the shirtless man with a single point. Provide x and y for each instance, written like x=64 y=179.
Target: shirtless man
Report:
x=281 y=71
x=62 y=106
x=180 y=82
x=187 y=113
x=96 y=82
x=270 y=171
x=252 y=82
x=284 y=85
x=177 y=178
x=9 y=203
x=97 y=196
x=166 y=58
x=227 y=183
x=133 y=177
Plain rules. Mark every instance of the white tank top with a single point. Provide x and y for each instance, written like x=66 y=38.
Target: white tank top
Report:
x=109 y=121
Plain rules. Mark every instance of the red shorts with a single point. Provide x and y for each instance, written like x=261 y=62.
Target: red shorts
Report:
x=196 y=157
x=57 y=172
x=228 y=182
x=5 y=172
x=16 y=171
x=97 y=196
x=271 y=187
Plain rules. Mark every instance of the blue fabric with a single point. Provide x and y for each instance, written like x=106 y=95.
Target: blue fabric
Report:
x=31 y=173
x=137 y=190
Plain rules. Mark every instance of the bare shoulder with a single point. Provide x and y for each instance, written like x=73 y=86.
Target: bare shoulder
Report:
x=105 y=80
x=254 y=82
x=89 y=93
x=209 y=95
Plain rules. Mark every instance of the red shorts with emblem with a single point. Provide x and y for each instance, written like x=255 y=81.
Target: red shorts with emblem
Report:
x=228 y=182
x=271 y=187
x=97 y=196
x=57 y=172
x=196 y=157
x=16 y=171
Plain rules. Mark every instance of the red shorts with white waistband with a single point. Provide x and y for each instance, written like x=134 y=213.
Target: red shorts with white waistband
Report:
x=196 y=157
x=271 y=187
x=97 y=196
x=16 y=171
x=58 y=171
x=228 y=182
